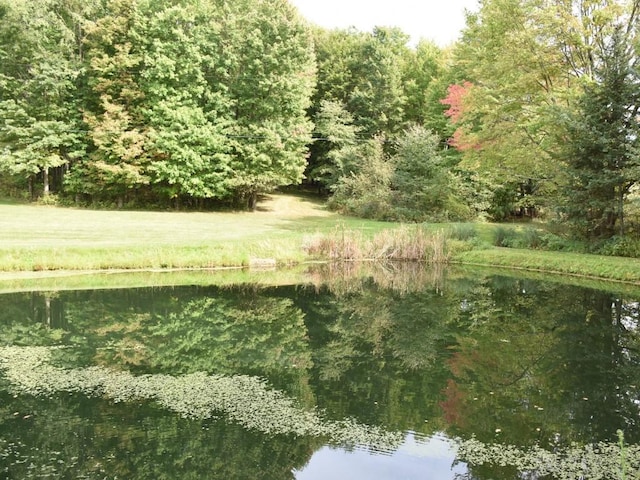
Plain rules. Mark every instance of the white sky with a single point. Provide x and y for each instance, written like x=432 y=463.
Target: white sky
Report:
x=437 y=20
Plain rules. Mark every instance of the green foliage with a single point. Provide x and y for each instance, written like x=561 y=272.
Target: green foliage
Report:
x=333 y=154
x=377 y=99
x=549 y=84
x=504 y=237
x=414 y=185
x=424 y=82
x=463 y=231
x=602 y=156
x=39 y=71
x=366 y=191
x=511 y=72
x=155 y=101
x=532 y=238
x=424 y=186
x=364 y=72
x=270 y=85
x=187 y=113
x=617 y=246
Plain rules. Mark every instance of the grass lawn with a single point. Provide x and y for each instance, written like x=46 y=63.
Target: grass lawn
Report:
x=590 y=266
x=39 y=238
x=44 y=239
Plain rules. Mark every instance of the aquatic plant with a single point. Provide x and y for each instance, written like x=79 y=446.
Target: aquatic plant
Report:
x=601 y=461
x=244 y=399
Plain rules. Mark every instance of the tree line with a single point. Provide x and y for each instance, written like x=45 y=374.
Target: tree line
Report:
x=154 y=101
x=207 y=103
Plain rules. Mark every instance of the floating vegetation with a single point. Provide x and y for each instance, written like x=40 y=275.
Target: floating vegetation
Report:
x=244 y=399
x=602 y=461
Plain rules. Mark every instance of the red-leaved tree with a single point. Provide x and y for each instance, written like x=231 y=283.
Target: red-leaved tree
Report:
x=455 y=98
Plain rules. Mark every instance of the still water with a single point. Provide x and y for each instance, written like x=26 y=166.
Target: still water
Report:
x=399 y=374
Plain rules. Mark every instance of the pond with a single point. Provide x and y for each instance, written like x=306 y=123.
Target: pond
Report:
x=394 y=373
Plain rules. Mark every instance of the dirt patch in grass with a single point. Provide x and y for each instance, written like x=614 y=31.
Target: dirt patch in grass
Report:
x=290 y=207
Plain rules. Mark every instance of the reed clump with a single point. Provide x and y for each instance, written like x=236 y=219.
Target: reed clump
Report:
x=407 y=243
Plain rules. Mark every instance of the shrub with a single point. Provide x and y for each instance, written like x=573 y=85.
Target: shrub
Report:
x=51 y=199
x=463 y=231
x=505 y=237
x=620 y=247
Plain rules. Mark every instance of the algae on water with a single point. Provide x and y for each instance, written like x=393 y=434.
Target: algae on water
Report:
x=244 y=399
x=250 y=402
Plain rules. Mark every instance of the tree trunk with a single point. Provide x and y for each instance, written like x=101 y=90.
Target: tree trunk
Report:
x=253 y=201
x=45 y=180
x=47 y=311
x=621 y=210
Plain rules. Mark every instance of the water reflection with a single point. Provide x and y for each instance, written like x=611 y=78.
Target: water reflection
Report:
x=430 y=458
x=349 y=373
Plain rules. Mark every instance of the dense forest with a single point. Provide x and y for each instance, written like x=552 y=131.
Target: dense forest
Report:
x=209 y=103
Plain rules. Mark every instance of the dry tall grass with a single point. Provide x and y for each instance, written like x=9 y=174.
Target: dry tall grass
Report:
x=409 y=243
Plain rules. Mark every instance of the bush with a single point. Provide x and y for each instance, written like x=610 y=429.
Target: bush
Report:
x=533 y=238
x=505 y=237
x=620 y=247
x=50 y=200
x=366 y=192
x=463 y=231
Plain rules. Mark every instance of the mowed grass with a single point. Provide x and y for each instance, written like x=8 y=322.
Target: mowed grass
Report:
x=39 y=238
x=47 y=239
x=576 y=264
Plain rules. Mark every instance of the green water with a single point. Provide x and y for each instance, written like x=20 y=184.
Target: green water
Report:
x=393 y=375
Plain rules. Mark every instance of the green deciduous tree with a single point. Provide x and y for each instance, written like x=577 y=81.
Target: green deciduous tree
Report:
x=364 y=71
x=378 y=99
x=527 y=61
x=271 y=81
x=39 y=71
x=115 y=164
x=513 y=75
x=195 y=100
x=425 y=78
x=187 y=110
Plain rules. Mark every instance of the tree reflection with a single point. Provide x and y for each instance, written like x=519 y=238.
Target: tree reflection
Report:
x=549 y=364
x=501 y=360
x=76 y=437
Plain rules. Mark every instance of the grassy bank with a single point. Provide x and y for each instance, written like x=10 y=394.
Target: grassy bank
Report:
x=286 y=228
x=588 y=266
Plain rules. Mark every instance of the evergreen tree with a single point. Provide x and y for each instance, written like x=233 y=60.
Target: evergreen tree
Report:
x=425 y=188
x=333 y=152
x=603 y=148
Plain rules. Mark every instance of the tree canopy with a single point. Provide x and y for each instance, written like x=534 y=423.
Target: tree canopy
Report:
x=197 y=103
x=159 y=101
